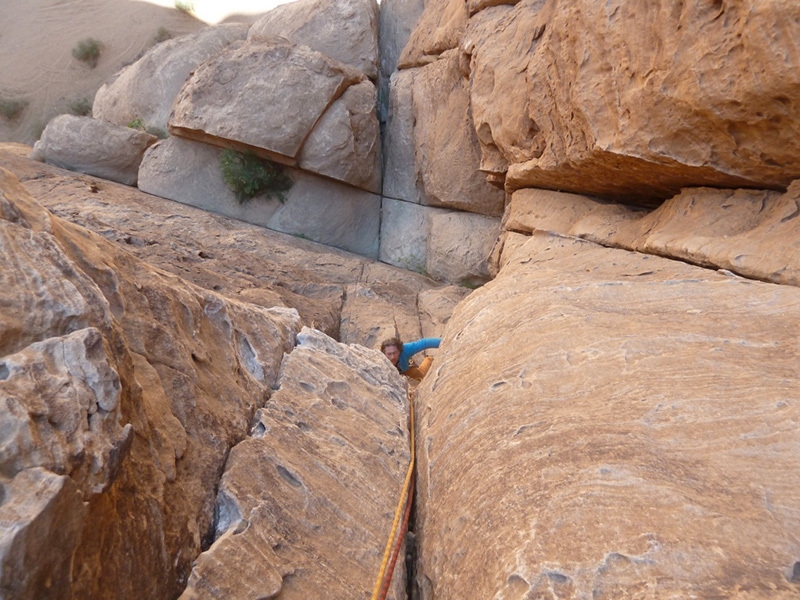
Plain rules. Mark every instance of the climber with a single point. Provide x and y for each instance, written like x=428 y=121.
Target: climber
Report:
x=399 y=354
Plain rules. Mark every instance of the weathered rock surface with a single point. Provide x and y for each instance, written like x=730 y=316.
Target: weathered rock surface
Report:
x=440 y=28
x=727 y=229
x=94 y=147
x=346 y=30
x=233 y=258
x=460 y=245
x=317 y=209
x=345 y=143
x=449 y=245
x=396 y=20
x=112 y=373
x=146 y=89
x=306 y=502
x=607 y=424
x=434 y=154
x=265 y=95
x=636 y=102
x=41 y=520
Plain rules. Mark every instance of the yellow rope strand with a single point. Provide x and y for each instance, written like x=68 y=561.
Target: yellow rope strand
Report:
x=399 y=511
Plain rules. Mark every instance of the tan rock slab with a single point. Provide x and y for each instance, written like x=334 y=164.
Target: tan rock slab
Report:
x=263 y=95
x=610 y=424
x=309 y=497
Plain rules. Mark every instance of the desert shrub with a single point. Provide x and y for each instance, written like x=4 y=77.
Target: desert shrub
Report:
x=184 y=7
x=80 y=107
x=162 y=35
x=137 y=123
x=88 y=51
x=248 y=175
x=11 y=108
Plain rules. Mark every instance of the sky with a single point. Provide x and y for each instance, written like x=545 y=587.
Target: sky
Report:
x=214 y=11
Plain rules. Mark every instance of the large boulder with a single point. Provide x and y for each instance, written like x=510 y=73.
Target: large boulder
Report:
x=345 y=144
x=265 y=95
x=306 y=502
x=346 y=30
x=112 y=375
x=635 y=102
x=146 y=89
x=317 y=209
x=608 y=424
x=93 y=147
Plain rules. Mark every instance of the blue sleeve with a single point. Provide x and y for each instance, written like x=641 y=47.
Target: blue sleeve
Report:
x=411 y=348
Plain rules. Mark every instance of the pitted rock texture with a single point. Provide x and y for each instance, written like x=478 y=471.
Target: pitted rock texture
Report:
x=346 y=30
x=111 y=375
x=607 y=424
x=265 y=95
x=146 y=89
x=307 y=501
x=94 y=147
x=754 y=233
x=236 y=259
x=623 y=100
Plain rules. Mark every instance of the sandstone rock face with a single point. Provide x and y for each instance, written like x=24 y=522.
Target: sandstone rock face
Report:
x=146 y=89
x=440 y=28
x=606 y=424
x=321 y=210
x=434 y=154
x=345 y=144
x=110 y=377
x=236 y=259
x=41 y=521
x=306 y=502
x=266 y=95
x=727 y=229
x=346 y=30
x=582 y=117
x=460 y=245
x=94 y=147
x=449 y=245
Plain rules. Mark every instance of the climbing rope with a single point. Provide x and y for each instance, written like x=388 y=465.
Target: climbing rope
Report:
x=395 y=541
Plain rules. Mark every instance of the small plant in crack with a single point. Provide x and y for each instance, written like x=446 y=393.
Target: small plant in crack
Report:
x=248 y=176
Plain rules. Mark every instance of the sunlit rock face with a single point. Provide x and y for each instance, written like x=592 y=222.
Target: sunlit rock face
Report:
x=123 y=388
x=609 y=424
x=624 y=100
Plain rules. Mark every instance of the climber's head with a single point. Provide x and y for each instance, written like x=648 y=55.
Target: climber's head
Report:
x=392 y=348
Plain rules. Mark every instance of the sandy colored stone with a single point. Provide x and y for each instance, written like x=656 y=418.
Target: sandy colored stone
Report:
x=310 y=495
x=726 y=229
x=440 y=28
x=399 y=170
x=94 y=147
x=609 y=424
x=42 y=516
x=459 y=246
x=345 y=144
x=346 y=30
x=175 y=350
x=581 y=119
x=263 y=95
x=146 y=89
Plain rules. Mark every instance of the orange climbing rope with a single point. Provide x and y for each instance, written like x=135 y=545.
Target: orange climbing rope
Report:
x=384 y=575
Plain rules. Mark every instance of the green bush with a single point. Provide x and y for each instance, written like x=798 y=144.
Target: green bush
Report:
x=248 y=175
x=12 y=108
x=184 y=7
x=137 y=123
x=80 y=107
x=88 y=51
x=162 y=35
